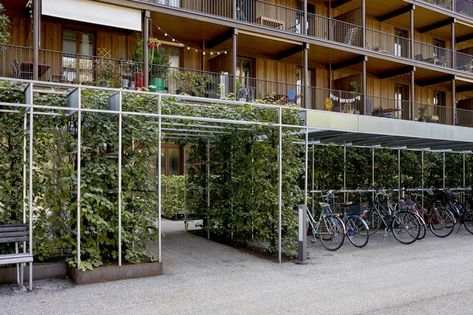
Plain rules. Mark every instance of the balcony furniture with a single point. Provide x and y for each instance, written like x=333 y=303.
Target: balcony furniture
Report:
x=18 y=234
x=386 y=112
x=350 y=36
x=267 y=21
x=419 y=57
x=26 y=69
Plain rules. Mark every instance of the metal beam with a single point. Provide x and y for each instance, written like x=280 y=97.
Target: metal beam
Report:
x=349 y=62
x=223 y=37
x=289 y=52
x=36 y=38
x=234 y=59
x=454 y=103
x=395 y=13
x=433 y=81
x=436 y=25
x=396 y=72
x=146 y=17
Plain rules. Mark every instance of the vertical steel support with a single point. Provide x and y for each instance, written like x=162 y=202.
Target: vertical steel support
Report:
x=306 y=76
x=372 y=171
x=344 y=172
x=306 y=166
x=280 y=185
x=120 y=123
x=302 y=235
x=454 y=102
x=25 y=128
x=413 y=95
x=79 y=140
x=411 y=31
x=443 y=171
x=234 y=62
x=146 y=22
x=30 y=194
x=363 y=22
x=36 y=37
x=365 y=89
x=399 y=174
x=208 y=184
x=305 y=23
x=234 y=9
x=464 y=177
x=453 y=40
x=159 y=179
x=312 y=175
x=422 y=177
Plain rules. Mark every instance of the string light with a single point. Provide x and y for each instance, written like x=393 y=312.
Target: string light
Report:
x=189 y=48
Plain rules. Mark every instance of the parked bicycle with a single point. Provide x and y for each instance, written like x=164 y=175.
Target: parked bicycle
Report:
x=462 y=213
x=403 y=224
x=329 y=229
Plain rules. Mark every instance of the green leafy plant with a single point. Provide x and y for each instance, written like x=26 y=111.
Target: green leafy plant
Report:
x=192 y=83
x=5 y=26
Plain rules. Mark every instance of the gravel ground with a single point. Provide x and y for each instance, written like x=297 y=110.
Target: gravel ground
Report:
x=432 y=276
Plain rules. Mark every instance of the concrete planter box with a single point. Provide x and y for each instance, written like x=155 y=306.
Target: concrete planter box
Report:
x=114 y=272
x=40 y=271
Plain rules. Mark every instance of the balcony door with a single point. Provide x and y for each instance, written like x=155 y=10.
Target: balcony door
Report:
x=439 y=51
x=300 y=17
x=300 y=88
x=246 y=85
x=401 y=97
x=400 y=43
x=77 y=58
x=440 y=104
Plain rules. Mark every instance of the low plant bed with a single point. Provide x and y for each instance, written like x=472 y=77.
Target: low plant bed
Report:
x=40 y=271
x=114 y=272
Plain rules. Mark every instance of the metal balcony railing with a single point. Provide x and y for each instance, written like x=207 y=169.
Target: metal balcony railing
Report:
x=387 y=43
x=334 y=30
x=433 y=54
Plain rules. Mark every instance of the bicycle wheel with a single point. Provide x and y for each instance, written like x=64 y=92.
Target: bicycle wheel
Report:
x=468 y=220
x=331 y=232
x=422 y=226
x=405 y=227
x=357 y=231
x=373 y=220
x=441 y=223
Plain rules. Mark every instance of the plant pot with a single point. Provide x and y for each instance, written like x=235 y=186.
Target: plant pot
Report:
x=125 y=83
x=139 y=80
x=156 y=85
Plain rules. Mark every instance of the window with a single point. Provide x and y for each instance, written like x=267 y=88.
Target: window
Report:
x=439 y=50
x=300 y=17
x=439 y=106
x=77 y=60
x=400 y=43
x=401 y=95
x=245 y=73
x=300 y=87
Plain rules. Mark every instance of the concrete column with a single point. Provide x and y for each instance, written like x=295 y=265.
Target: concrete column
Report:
x=36 y=37
x=234 y=60
x=146 y=19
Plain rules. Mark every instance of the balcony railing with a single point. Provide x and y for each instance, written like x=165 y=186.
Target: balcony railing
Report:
x=334 y=30
x=433 y=54
x=387 y=43
x=433 y=113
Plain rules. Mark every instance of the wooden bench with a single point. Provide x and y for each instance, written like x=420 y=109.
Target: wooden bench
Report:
x=17 y=233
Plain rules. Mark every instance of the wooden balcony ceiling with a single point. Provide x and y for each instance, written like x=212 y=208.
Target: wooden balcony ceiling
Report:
x=17 y=5
x=186 y=30
x=255 y=44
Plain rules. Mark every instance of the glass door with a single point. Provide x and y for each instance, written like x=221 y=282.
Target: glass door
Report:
x=77 y=58
x=246 y=85
x=400 y=43
x=401 y=97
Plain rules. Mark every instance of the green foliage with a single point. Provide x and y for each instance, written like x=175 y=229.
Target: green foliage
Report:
x=5 y=26
x=192 y=83
x=173 y=196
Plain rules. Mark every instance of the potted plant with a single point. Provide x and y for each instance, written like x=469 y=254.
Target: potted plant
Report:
x=423 y=112
x=159 y=65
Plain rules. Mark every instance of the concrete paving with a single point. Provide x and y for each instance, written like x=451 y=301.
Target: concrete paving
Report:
x=432 y=276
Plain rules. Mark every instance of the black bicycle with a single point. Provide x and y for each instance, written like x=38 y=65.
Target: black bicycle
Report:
x=463 y=213
x=403 y=224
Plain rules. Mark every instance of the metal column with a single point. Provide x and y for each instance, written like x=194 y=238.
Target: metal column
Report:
x=306 y=76
x=454 y=103
x=146 y=19
x=399 y=174
x=234 y=62
x=344 y=172
x=364 y=84
x=36 y=37
x=411 y=30
x=305 y=21
x=363 y=22
x=120 y=123
x=159 y=179
x=413 y=95
x=453 y=41
x=208 y=184
x=280 y=186
x=79 y=140
x=422 y=177
x=30 y=194
x=443 y=171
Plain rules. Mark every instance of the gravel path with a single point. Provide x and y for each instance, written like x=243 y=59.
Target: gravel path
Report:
x=433 y=276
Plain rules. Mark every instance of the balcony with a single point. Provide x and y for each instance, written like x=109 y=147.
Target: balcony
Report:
x=462 y=7
x=16 y=62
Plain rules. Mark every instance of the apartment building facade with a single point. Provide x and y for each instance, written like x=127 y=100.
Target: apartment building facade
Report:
x=399 y=59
